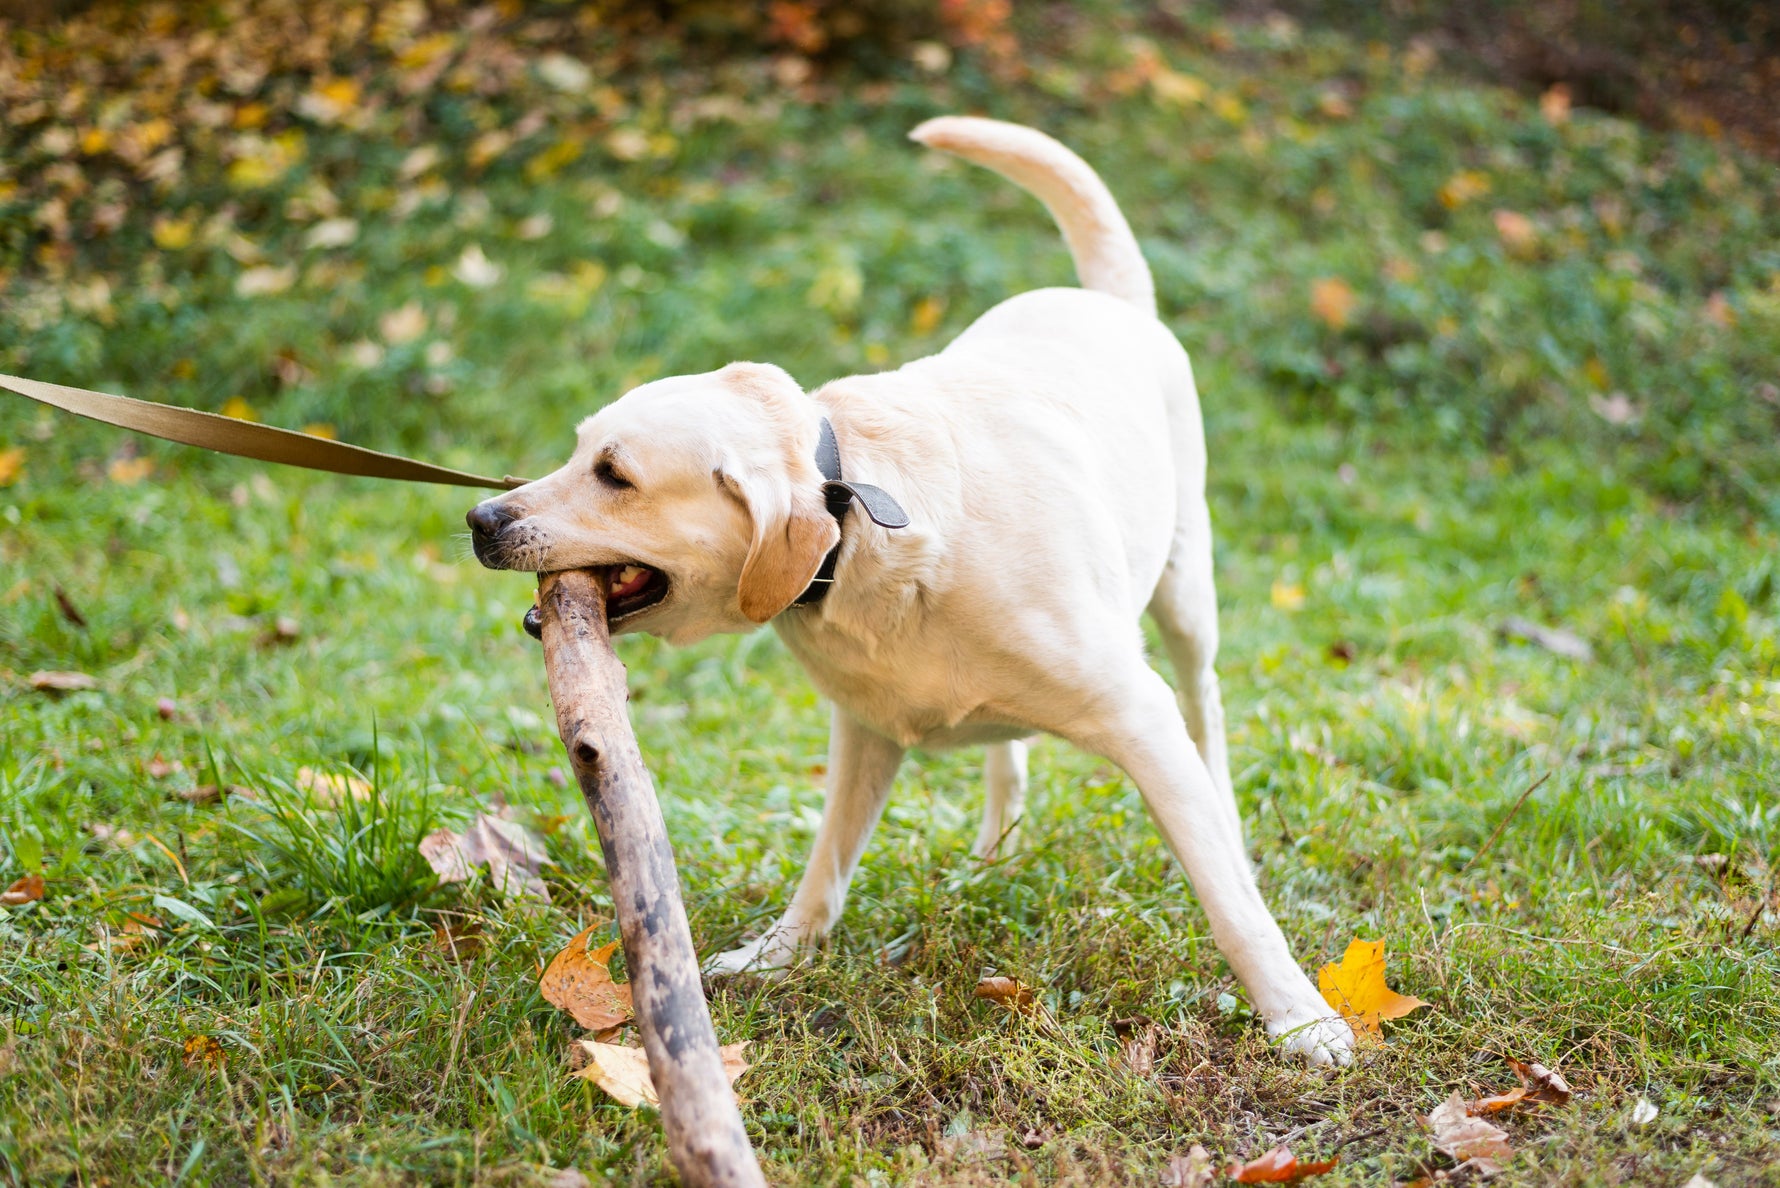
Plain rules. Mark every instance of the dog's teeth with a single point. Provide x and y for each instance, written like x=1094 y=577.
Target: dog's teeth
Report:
x=626 y=576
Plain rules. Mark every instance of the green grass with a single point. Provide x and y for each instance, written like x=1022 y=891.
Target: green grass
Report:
x=1426 y=471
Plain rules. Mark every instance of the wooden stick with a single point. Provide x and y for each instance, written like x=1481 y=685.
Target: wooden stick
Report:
x=699 y=1115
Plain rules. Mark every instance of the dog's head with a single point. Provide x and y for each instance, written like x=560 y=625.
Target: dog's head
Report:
x=698 y=496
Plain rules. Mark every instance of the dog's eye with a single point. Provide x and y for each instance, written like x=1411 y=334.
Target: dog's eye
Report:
x=605 y=472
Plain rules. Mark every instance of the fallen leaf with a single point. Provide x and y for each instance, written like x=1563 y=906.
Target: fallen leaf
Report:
x=331 y=233
x=1137 y=1044
x=1332 y=301
x=127 y=472
x=62 y=682
x=1278 y=1166
x=1542 y=1084
x=1554 y=104
x=581 y=983
x=1287 y=596
x=12 y=465
x=203 y=1051
x=328 y=789
x=1616 y=408
x=265 y=280
x=1518 y=233
x=460 y=943
x=1356 y=988
x=1192 y=1170
x=111 y=835
x=1462 y=187
x=160 y=768
x=1555 y=640
x=26 y=890
x=512 y=853
x=475 y=269
x=237 y=408
x=1466 y=1138
x=624 y=1072
x=1008 y=992
x=1644 y=1112
x=403 y=325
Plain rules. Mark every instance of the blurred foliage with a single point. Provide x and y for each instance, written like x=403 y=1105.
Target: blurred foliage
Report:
x=333 y=204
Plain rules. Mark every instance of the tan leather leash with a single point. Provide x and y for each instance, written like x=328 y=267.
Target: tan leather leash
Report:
x=245 y=439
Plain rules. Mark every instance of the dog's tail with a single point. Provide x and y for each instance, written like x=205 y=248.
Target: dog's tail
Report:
x=1106 y=255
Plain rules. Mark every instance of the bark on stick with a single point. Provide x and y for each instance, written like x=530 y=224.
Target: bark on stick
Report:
x=704 y=1131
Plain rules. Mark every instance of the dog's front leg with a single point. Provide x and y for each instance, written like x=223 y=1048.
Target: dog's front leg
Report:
x=1144 y=734
x=861 y=767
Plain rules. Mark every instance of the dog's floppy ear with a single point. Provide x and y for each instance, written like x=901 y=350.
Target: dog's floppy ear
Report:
x=792 y=534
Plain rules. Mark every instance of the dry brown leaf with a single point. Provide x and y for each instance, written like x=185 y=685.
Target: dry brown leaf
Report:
x=513 y=854
x=459 y=942
x=1278 y=1166
x=159 y=768
x=624 y=1072
x=68 y=609
x=62 y=682
x=1481 y=1146
x=1542 y=1084
x=1137 y=1043
x=1356 y=988
x=1192 y=1170
x=26 y=890
x=581 y=983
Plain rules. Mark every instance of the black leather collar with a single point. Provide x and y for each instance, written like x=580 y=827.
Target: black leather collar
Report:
x=884 y=511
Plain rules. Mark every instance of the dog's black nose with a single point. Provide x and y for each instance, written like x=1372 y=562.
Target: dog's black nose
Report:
x=488 y=518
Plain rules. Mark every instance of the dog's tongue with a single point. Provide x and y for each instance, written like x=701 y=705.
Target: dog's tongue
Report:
x=627 y=580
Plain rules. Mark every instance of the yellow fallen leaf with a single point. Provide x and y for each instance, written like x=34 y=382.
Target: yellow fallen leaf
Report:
x=1332 y=301
x=1287 y=596
x=1356 y=988
x=926 y=315
x=1464 y=186
x=403 y=324
x=1009 y=992
x=12 y=465
x=203 y=1051
x=127 y=472
x=624 y=1072
x=238 y=408
x=171 y=234
x=581 y=983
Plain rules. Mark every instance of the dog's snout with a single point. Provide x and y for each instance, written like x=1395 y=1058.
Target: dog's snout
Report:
x=488 y=518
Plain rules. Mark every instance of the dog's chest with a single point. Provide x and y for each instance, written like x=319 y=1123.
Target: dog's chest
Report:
x=915 y=695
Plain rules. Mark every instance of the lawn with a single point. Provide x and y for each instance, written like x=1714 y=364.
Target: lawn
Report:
x=1466 y=358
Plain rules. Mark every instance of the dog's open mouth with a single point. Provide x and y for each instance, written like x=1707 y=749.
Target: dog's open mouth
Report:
x=633 y=588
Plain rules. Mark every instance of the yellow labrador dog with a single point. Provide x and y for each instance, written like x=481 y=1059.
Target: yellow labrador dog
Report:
x=957 y=552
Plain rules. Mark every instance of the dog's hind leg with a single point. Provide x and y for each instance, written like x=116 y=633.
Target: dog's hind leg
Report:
x=1004 y=800
x=1135 y=724
x=861 y=767
x=1185 y=608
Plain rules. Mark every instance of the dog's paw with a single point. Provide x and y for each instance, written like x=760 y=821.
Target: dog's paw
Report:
x=1314 y=1034
x=761 y=955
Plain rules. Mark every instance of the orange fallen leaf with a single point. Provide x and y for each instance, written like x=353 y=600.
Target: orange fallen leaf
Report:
x=12 y=465
x=1543 y=1084
x=26 y=890
x=1332 y=301
x=624 y=1072
x=581 y=983
x=1278 y=1166
x=1356 y=988
x=1008 y=992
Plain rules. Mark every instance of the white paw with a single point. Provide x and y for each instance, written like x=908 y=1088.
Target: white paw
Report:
x=1314 y=1033
x=769 y=952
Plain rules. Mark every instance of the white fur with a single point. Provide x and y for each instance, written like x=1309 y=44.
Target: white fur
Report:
x=1052 y=463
